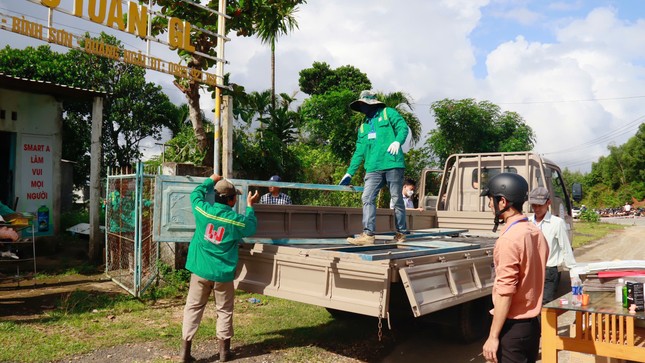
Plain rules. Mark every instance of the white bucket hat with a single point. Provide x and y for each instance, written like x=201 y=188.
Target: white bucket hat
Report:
x=367 y=97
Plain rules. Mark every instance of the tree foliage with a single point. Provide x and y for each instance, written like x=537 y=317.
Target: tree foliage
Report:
x=277 y=18
x=326 y=116
x=133 y=109
x=320 y=79
x=328 y=121
x=468 y=126
x=248 y=17
x=615 y=179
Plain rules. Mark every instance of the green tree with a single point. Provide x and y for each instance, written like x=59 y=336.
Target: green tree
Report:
x=328 y=120
x=619 y=177
x=320 y=79
x=133 y=108
x=276 y=18
x=246 y=16
x=467 y=126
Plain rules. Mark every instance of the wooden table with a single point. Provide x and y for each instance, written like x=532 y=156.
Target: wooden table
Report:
x=602 y=328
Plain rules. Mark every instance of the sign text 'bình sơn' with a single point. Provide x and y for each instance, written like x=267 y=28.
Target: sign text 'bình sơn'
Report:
x=111 y=13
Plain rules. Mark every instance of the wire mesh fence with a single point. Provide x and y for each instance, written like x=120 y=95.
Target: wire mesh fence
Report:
x=131 y=254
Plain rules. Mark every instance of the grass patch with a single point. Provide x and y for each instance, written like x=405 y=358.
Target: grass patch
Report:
x=86 y=321
x=585 y=232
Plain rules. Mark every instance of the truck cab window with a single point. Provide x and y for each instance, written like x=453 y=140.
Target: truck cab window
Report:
x=486 y=174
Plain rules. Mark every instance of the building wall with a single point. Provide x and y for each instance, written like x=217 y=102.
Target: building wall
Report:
x=37 y=174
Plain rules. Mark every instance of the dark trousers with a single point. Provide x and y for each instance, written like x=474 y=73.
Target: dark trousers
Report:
x=551 y=283
x=519 y=341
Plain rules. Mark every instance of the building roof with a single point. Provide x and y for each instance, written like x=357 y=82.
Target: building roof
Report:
x=45 y=87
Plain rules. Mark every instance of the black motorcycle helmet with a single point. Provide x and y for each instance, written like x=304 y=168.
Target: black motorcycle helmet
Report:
x=511 y=186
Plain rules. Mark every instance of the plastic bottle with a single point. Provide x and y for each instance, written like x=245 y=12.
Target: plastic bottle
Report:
x=619 y=290
x=576 y=291
x=625 y=300
x=43 y=219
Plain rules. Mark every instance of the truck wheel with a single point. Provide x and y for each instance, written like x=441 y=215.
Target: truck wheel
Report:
x=343 y=315
x=473 y=320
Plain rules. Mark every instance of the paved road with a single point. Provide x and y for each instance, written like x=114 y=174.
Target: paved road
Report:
x=424 y=344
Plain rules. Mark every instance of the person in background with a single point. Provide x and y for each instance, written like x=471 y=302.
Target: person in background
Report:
x=8 y=233
x=519 y=259
x=378 y=144
x=212 y=260
x=627 y=208
x=274 y=196
x=555 y=231
x=4 y=210
x=409 y=187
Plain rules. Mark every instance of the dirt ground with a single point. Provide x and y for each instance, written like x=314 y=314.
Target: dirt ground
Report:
x=28 y=299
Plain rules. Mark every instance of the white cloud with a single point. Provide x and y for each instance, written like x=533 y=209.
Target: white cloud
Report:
x=426 y=48
x=521 y=15
x=593 y=58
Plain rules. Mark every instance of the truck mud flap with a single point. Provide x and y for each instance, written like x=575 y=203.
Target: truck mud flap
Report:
x=290 y=273
x=453 y=280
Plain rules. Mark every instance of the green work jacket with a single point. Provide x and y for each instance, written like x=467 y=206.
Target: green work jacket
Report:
x=213 y=251
x=388 y=126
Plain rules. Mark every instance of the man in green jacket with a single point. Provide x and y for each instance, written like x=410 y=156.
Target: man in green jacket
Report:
x=379 y=145
x=212 y=259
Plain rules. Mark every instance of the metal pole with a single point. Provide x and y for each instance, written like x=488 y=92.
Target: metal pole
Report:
x=221 y=30
x=216 y=134
x=148 y=62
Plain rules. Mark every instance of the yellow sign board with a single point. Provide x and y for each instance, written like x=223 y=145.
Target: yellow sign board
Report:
x=110 y=13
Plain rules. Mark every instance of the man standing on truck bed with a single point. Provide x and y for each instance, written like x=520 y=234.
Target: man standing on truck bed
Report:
x=379 y=144
x=519 y=256
x=555 y=232
x=212 y=260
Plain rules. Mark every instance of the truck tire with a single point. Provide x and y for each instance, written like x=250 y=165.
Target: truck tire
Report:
x=472 y=321
x=343 y=315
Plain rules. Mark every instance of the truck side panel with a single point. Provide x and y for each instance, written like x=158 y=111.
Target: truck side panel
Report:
x=290 y=273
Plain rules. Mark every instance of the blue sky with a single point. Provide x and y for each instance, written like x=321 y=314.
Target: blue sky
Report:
x=574 y=70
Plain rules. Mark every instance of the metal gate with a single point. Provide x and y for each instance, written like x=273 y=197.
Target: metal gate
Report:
x=131 y=254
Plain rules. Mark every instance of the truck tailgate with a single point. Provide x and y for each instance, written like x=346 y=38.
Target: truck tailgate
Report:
x=449 y=280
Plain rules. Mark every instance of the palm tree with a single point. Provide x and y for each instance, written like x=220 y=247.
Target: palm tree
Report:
x=402 y=102
x=277 y=18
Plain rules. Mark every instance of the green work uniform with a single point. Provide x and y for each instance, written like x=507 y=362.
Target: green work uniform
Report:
x=374 y=137
x=213 y=251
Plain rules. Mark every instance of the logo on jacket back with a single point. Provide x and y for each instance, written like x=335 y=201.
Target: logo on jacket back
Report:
x=212 y=235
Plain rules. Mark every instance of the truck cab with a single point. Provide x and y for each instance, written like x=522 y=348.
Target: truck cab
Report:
x=453 y=193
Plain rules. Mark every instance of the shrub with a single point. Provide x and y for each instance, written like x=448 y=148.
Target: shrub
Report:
x=589 y=216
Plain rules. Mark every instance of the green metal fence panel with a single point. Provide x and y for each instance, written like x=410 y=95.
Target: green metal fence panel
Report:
x=131 y=253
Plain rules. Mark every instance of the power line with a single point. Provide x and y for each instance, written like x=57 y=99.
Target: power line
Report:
x=571 y=101
x=623 y=130
x=553 y=101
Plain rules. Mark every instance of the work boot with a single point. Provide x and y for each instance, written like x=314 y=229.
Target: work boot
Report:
x=185 y=351
x=361 y=240
x=398 y=238
x=225 y=353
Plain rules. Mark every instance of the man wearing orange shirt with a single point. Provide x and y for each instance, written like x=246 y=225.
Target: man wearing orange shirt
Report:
x=520 y=256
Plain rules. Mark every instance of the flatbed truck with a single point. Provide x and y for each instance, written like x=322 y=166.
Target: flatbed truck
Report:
x=445 y=267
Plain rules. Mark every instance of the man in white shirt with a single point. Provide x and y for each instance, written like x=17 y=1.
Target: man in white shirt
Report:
x=409 y=187
x=555 y=231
